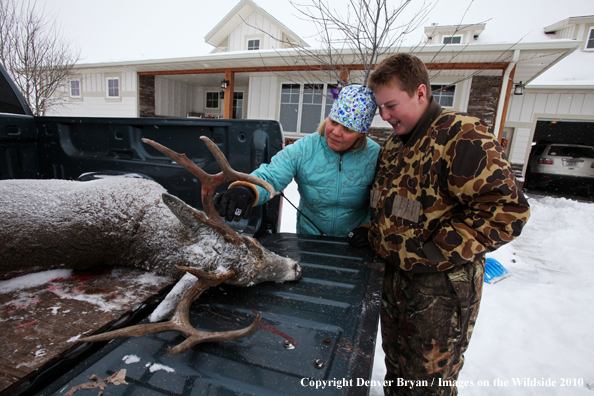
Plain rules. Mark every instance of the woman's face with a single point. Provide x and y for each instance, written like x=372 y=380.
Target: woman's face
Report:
x=339 y=138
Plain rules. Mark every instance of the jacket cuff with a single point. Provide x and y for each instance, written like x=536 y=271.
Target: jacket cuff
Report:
x=250 y=185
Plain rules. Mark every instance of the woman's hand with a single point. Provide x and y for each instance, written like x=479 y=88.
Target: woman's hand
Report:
x=235 y=202
x=358 y=237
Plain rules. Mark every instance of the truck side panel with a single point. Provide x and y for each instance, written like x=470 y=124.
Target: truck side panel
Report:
x=66 y=148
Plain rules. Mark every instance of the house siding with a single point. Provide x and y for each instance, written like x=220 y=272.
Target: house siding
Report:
x=524 y=107
x=176 y=99
x=263 y=98
x=520 y=147
x=525 y=110
x=94 y=101
x=254 y=27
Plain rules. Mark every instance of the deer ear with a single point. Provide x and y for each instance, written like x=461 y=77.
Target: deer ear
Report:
x=184 y=212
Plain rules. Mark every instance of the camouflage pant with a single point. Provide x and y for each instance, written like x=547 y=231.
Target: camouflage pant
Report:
x=427 y=321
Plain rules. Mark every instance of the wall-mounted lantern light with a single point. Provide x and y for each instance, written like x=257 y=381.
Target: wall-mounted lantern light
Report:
x=224 y=86
x=519 y=89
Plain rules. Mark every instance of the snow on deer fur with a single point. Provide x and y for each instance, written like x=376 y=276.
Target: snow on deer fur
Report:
x=49 y=224
x=125 y=221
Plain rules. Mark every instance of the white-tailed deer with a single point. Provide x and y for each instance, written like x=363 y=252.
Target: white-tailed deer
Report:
x=50 y=224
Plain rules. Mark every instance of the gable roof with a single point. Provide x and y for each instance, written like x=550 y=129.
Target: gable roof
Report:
x=569 y=21
x=476 y=29
x=237 y=16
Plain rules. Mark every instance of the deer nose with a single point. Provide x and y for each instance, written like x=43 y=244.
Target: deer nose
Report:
x=297 y=269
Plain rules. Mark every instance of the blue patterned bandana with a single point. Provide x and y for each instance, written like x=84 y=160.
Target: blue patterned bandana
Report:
x=354 y=108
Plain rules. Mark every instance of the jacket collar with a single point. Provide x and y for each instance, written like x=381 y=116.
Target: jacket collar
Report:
x=433 y=111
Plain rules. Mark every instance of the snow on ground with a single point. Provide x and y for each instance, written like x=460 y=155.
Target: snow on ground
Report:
x=532 y=336
x=289 y=217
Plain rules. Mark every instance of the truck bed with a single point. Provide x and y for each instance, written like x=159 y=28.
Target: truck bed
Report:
x=322 y=327
x=39 y=325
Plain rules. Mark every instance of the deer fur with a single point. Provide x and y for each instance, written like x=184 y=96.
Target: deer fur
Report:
x=48 y=224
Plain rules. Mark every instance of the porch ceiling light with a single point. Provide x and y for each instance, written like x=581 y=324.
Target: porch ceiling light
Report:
x=224 y=84
x=519 y=89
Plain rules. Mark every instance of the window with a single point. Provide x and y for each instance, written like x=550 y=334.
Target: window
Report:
x=444 y=94
x=304 y=106
x=289 y=107
x=75 y=88
x=571 y=151
x=113 y=87
x=253 y=44
x=237 y=105
x=452 y=39
x=590 y=42
x=313 y=95
x=212 y=100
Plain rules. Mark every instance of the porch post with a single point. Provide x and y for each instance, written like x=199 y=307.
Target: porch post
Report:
x=228 y=101
x=510 y=86
x=344 y=75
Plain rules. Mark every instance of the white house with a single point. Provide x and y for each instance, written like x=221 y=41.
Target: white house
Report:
x=559 y=104
x=267 y=78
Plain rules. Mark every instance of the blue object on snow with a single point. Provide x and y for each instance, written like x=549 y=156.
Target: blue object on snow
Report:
x=494 y=271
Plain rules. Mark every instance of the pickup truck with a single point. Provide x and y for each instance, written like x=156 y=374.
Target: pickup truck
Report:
x=317 y=335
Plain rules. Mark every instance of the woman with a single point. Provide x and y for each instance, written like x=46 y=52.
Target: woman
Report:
x=333 y=170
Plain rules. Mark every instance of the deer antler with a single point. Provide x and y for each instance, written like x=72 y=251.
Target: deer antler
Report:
x=180 y=320
x=210 y=183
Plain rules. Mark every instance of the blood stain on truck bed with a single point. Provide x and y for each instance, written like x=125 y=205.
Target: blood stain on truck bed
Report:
x=41 y=324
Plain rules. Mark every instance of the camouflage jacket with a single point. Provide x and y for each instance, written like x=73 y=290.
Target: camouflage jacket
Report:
x=446 y=197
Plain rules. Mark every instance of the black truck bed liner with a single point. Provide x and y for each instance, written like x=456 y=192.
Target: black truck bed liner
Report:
x=320 y=328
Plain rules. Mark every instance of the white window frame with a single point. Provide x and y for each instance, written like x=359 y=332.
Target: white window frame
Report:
x=107 y=88
x=247 y=45
x=590 y=40
x=79 y=87
x=218 y=100
x=452 y=38
x=325 y=93
x=443 y=85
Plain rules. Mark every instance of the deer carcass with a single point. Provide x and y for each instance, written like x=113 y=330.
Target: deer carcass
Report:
x=49 y=224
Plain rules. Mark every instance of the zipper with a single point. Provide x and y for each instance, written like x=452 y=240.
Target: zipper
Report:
x=337 y=192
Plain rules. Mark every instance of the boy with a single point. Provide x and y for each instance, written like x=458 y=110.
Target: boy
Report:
x=443 y=196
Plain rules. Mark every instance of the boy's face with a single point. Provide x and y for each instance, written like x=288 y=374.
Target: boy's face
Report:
x=399 y=109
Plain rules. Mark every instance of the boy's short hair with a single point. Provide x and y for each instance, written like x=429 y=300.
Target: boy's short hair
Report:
x=405 y=70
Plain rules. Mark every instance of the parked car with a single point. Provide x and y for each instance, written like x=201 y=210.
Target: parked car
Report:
x=561 y=165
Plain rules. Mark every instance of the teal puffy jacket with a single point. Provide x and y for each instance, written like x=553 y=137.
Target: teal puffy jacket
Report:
x=333 y=189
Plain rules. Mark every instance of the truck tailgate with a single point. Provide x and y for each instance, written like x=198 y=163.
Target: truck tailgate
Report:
x=320 y=328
